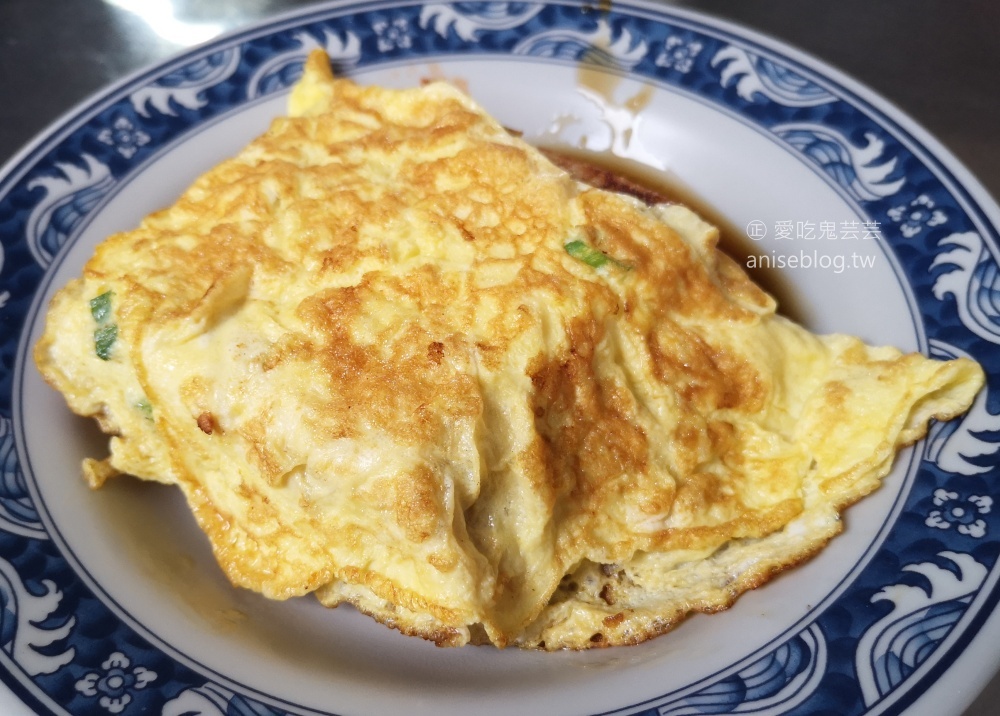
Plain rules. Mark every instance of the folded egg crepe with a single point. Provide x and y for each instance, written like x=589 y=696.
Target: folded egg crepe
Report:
x=395 y=357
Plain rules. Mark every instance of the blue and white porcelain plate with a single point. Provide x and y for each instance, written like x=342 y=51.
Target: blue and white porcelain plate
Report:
x=110 y=602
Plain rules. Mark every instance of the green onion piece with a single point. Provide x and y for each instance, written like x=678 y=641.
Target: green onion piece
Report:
x=580 y=251
x=100 y=307
x=107 y=332
x=143 y=406
x=104 y=339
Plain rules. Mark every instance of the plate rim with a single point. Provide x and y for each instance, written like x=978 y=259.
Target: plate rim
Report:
x=977 y=201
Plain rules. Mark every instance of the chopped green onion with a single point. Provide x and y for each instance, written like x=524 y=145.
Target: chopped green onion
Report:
x=104 y=339
x=580 y=251
x=591 y=256
x=143 y=406
x=106 y=333
x=100 y=307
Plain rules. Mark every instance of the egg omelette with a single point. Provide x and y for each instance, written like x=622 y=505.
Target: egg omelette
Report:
x=395 y=357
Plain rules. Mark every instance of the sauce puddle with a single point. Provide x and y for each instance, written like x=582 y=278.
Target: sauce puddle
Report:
x=606 y=171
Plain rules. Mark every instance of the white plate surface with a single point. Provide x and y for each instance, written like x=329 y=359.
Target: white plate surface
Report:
x=111 y=600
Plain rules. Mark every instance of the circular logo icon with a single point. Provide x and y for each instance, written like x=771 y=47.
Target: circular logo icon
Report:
x=756 y=230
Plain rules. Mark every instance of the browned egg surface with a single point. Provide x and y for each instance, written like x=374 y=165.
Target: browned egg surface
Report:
x=394 y=356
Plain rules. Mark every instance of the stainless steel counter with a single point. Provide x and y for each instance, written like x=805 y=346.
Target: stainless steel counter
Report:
x=936 y=61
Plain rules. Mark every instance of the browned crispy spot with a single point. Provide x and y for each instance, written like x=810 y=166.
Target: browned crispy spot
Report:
x=206 y=423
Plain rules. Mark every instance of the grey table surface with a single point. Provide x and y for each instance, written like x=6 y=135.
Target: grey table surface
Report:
x=937 y=61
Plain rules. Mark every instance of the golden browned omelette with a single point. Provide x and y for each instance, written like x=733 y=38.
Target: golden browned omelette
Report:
x=395 y=357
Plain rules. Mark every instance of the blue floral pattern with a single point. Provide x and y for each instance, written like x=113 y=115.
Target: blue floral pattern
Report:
x=678 y=54
x=124 y=137
x=965 y=514
x=393 y=34
x=868 y=643
x=919 y=214
x=116 y=683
